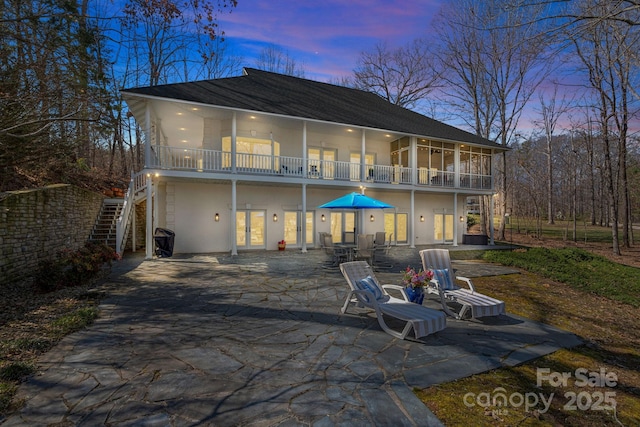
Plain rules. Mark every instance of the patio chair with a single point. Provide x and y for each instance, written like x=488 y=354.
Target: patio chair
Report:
x=475 y=303
x=336 y=255
x=381 y=252
x=366 y=291
x=365 y=249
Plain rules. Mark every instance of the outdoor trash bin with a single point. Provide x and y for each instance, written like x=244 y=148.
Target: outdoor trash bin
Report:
x=164 y=242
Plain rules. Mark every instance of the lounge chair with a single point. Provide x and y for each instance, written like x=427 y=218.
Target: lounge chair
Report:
x=367 y=292
x=479 y=305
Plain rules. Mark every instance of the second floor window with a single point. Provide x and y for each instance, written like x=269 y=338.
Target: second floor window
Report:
x=252 y=152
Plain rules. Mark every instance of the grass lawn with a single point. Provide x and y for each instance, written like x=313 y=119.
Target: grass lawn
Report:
x=604 y=372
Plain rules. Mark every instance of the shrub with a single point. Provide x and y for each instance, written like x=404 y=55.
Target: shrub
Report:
x=73 y=268
x=16 y=371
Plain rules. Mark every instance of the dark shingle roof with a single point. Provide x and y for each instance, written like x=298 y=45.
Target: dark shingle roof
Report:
x=263 y=91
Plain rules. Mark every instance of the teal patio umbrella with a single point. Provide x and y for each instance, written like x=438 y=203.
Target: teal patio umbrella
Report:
x=355 y=201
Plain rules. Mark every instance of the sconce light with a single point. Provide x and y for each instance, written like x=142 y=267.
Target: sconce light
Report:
x=216 y=218
x=275 y=218
x=421 y=218
x=372 y=218
x=323 y=218
x=461 y=218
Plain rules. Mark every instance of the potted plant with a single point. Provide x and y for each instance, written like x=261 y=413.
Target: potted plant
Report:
x=282 y=245
x=414 y=283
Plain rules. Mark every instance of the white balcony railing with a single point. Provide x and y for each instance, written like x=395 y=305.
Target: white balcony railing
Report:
x=192 y=159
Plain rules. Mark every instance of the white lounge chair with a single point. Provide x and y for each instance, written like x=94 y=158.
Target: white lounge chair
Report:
x=366 y=291
x=479 y=305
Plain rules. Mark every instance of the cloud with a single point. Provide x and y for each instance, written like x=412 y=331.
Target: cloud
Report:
x=328 y=36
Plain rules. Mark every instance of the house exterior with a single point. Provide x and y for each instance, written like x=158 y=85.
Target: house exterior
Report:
x=244 y=162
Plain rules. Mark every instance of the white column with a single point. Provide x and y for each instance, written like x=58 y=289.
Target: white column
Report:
x=491 y=203
x=149 y=219
x=147 y=136
x=412 y=219
x=232 y=220
x=303 y=234
x=234 y=128
x=413 y=159
x=363 y=152
x=305 y=165
x=456 y=222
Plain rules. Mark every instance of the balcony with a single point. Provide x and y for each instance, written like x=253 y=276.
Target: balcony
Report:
x=214 y=161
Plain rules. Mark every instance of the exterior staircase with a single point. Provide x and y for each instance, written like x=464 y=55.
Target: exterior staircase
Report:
x=104 y=229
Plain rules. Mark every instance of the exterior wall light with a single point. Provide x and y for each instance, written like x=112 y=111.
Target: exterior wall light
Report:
x=461 y=218
x=421 y=218
x=372 y=218
x=323 y=218
x=275 y=218
x=216 y=218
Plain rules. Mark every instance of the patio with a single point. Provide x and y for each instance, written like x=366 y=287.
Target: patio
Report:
x=258 y=339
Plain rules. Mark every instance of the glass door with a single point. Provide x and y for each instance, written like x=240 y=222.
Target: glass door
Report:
x=250 y=229
x=293 y=228
x=443 y=228
x=343 y=227
x=396 y=227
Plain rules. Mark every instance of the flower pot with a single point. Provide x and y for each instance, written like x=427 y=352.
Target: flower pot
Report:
x=282 y=246
x=415 y=294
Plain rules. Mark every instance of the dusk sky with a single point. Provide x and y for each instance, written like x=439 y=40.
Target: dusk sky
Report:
x=324 y=37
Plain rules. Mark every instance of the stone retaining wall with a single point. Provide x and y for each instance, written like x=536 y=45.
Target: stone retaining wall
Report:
x=36 y=224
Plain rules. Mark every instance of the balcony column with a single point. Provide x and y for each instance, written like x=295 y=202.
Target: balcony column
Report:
x=303 y=231
x=147 y=136
x=234 y=130
x=305 y=165
x=363 y=152
x=234 y=243
x=413 y=159
x=456 y=166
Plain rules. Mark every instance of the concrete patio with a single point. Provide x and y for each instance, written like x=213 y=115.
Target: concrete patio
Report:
x=258 y=339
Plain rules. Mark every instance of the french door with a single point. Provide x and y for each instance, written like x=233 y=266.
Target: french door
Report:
x=250 y=229
x=293 y=226
x=443 y=228
x=343 y=226
x=396 y=227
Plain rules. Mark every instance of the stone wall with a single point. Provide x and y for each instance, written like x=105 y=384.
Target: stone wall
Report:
x=36 y=224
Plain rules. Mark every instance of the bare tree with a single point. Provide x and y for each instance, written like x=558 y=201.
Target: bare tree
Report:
x=494 y=54
x=608 y=55
x=550 y=112
x=161 y=34
x=403 y=76
x=273 y=58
